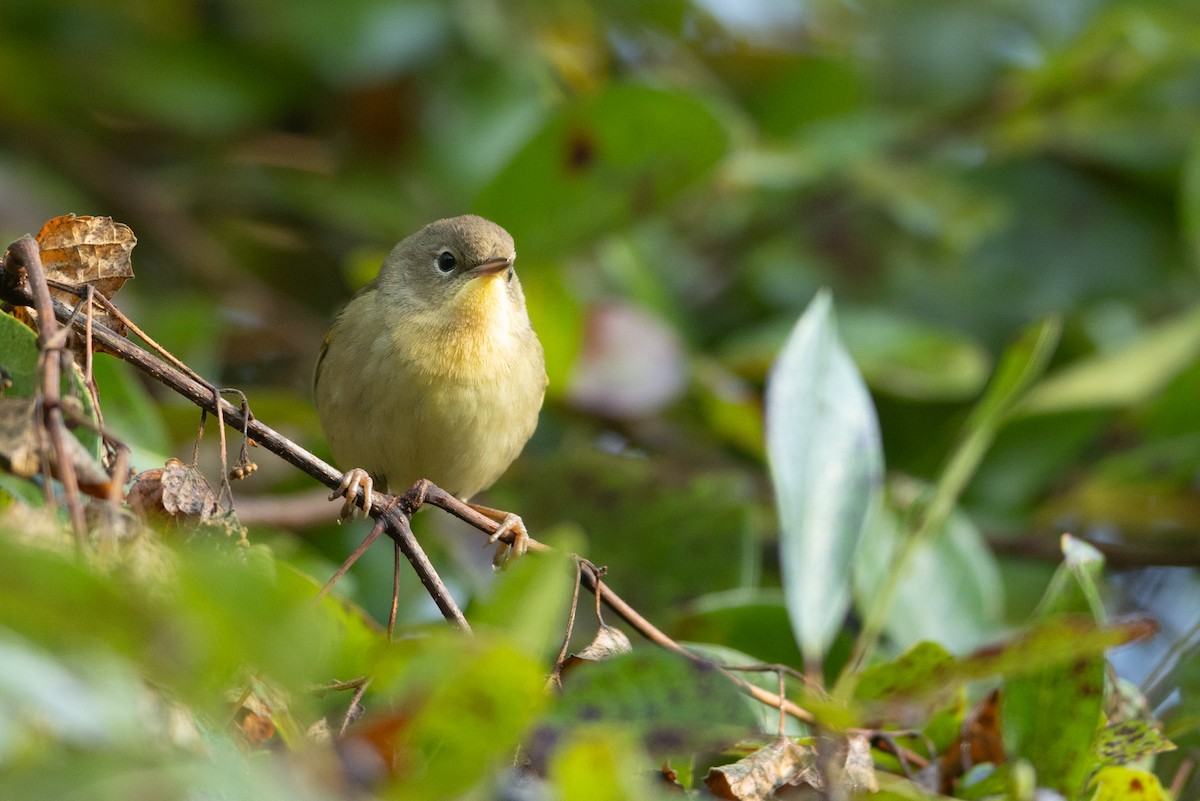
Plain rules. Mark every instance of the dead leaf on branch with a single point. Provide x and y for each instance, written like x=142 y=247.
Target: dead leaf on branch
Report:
x=609 y=642
x=87 y=251
x=24 y=448
x=756 y=778
x=176 y=490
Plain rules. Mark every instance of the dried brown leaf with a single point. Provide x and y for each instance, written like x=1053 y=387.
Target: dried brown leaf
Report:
x=860 y=767
x=609 y=641
x=87 y=251
x=758 y=776
x=24 y=448
x=175 y=490
x=978 y=741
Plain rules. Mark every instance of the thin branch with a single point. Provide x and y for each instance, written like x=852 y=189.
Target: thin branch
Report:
x=396 y=524
x=27 y=253
x=652 y=633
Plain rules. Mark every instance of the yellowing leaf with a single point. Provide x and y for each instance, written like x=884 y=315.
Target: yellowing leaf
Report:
x=1127 y=784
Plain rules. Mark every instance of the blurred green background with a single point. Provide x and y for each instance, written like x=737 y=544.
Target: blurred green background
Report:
x=680 y=178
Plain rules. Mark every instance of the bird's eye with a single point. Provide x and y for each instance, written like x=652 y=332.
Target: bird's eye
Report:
x=446 y=262
x=508 y=278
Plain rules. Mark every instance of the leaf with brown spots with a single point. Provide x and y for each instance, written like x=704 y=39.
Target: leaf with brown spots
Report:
x=1127 y=784
x=1131 y=741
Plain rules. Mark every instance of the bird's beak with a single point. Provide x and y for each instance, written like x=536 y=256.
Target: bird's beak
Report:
x=491 y=267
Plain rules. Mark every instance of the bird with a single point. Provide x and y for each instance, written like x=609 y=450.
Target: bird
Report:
x=433 y=371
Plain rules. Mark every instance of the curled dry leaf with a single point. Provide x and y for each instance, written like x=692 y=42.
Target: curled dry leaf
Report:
x=609 y=641
x=175 y=490
x=87 y=251
x=756 y=778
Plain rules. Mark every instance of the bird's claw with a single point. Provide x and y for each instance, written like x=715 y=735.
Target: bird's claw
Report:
x=506 y=552
x=353 y=481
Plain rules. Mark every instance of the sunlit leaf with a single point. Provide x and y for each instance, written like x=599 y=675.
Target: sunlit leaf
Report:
x=1123 y=377
x=1128 y=784
x=601 y=763
x=1127 y=742
x=826 y=464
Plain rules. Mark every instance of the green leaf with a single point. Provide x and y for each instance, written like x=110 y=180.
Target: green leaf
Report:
x=601 y=763
x=530 y=602
x=674 y=704
x=599 y=164
x=927 y=669
x=19 y=357
x=1128 y=784
x=1049 y=717
x=826 y=465
x=752 y=620
x=1128 y=742
x=768 y=717
x=950 y=591
x=913 y=360
x=130 y=412
x=1123 y=377
x=456 y=711
x=1021 y=365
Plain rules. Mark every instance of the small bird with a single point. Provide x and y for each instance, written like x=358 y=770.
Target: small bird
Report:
x=433 y=370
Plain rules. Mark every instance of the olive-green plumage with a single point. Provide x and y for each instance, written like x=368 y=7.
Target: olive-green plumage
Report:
x=433 y=369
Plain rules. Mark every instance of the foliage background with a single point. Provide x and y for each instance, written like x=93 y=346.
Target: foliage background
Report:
x=680 y=179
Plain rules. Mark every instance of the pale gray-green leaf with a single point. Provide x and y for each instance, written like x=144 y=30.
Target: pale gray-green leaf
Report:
x=826 y=462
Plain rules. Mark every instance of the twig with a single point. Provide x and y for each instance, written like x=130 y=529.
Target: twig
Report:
x=26 y=251
x=652 y=633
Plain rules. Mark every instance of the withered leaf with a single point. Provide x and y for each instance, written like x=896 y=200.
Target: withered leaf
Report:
x=978 y=741
x=87 y=251
x=757 y=777
x=23 y=448
x=20 y=453
x=176 y=490
x=860 y=767
x=609 y=641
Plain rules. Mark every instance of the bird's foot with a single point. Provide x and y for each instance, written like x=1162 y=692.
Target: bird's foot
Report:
x=510 y=524
x=354 y=481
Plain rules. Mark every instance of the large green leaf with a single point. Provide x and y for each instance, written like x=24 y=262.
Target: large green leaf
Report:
x=599 y=164
x=826 y=463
